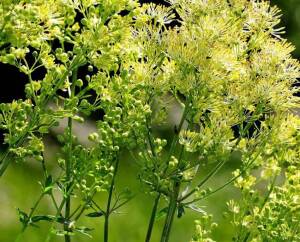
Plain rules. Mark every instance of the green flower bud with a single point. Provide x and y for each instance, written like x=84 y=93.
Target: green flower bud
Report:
x=87 y=77
x=84 y=21
x=79 y=83
x=90 y=68
x=35 y=54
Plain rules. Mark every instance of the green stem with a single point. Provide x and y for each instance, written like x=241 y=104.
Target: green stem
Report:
x=29 y=217
x=213 y=171
x=152 y=219
x=69 y=163
x=243 y=171
x=58 y=212
x=68 y=178
x=171 y=151
x=209 y=175
x=83 y=207
x=33 y=210
x=173 y=203
x=107 y=213
x=156 y=202
x=119 y=205
x=171 y=212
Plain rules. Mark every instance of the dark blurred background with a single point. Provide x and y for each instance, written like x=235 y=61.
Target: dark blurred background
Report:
x=291 y=20
x=19 y=187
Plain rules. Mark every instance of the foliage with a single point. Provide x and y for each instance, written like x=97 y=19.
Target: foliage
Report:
x=273 y=214
x=225 y=64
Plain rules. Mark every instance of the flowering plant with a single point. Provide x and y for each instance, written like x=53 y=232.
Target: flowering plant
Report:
x=223 y=63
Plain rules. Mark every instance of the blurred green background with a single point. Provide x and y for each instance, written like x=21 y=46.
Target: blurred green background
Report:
x=19 y=188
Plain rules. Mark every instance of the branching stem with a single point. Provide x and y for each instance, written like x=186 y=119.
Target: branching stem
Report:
x=171 y=151
x=108 y=211
x=171 y=212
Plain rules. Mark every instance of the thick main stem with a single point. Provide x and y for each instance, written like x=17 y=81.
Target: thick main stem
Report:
x=152 y=219
x=171 y=212
x=173 y=145
x=107 y=213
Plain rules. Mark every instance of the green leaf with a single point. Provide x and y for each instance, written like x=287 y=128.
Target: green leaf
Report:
x=23 y=217
x=38 y=218
x=95 y=214
x=48 y=184
x=162 y=213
